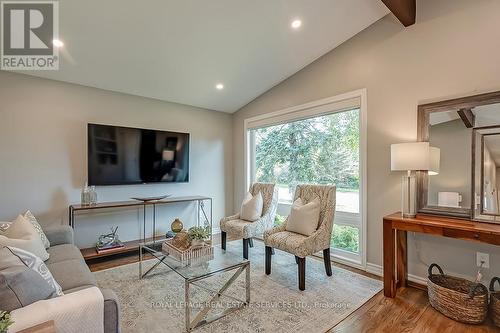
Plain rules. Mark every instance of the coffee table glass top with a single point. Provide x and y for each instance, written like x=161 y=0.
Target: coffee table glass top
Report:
x=196 y=268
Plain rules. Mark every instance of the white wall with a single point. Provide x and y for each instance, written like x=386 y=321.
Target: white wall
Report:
x=43 y=154
x=452 y=51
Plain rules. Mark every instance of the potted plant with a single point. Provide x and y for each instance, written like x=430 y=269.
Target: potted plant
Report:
x=198 y=235
x=5 y=321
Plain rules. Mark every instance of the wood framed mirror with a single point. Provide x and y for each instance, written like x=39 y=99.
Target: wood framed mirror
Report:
x=458 y=127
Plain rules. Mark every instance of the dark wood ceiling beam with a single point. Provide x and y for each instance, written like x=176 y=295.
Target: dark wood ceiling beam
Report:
x=404 y=10
x=467 y=117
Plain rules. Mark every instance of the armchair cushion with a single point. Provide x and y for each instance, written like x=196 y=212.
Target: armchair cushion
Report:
x=304 y=218
x=237 y=227
x=288 y=241
x=251 y=208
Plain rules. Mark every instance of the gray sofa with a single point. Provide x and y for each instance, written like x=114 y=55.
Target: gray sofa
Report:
x=70 y=270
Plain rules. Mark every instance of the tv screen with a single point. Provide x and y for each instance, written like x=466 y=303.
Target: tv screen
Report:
x=123 y=155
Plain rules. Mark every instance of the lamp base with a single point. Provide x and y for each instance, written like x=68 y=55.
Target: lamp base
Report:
x=408 y=198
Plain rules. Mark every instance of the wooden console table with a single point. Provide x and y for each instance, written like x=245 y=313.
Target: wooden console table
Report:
x=131 y=246
x=395 y=241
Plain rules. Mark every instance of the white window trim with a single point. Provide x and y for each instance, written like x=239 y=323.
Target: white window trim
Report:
x=309 y=110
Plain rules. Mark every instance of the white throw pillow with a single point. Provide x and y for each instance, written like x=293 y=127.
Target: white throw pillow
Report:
x=33 y=262
x=23 y=235
x=251 y=208
x=304 y=219
x=30 y=217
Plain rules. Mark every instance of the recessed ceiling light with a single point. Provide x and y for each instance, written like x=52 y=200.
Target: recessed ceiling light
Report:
x=296 y=24
x=219 y=86
x=57 y=43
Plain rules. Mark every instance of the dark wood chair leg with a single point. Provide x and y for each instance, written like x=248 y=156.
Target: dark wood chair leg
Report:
x=272 y=251
x=245 y=248
x=296 y=260
x=250 y=242
x=328 y=262
x=268 y=259
x=302 y=273
x=223 y=239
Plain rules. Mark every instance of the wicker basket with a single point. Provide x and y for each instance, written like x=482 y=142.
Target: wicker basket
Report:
x=495 y=302
x=186 y=255
x=456 y=298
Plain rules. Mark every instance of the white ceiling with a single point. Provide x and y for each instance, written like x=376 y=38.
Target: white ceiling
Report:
x=177 y=50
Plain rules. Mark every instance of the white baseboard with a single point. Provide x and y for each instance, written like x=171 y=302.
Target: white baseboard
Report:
x=378 y=270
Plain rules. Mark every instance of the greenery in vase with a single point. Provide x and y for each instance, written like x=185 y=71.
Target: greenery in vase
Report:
x=199 y=233
x=5 y=321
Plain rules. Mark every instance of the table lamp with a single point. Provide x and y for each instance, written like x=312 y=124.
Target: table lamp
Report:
x=413 y=156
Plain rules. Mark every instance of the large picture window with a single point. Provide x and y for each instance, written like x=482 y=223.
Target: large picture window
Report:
x=319 y=148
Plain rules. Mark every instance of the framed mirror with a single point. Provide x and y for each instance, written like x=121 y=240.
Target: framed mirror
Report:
x=465 y=185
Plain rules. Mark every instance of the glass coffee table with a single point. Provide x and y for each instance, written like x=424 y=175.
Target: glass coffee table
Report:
x=194 y=272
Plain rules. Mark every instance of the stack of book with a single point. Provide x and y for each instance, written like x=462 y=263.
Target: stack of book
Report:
x=109 y=247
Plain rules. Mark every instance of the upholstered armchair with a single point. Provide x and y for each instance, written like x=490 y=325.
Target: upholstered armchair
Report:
x=238 y=228
x=302 y=246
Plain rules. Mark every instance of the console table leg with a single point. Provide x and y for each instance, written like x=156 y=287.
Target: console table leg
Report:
x=389 y=257
x=402 y=257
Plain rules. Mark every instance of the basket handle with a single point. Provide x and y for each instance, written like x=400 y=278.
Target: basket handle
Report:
x=437 y=266
x=492 y=283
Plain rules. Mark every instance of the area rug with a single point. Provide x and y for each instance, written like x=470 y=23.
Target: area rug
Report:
x=155 y=303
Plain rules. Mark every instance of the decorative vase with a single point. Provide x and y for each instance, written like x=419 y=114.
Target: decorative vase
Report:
x=176 y=226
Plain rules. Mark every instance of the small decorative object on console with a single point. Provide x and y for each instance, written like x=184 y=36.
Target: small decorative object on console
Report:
x=109 y=242
x=177 y=225
x=147 y=199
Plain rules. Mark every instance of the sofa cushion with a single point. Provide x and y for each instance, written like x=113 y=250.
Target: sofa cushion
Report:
x=63 y=252
x=23 y=235
x=21 y=286
x=32 y=219
x=72 y=274
x=34 y=263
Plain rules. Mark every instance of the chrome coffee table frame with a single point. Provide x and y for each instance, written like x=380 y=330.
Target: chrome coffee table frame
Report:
x=200 y=318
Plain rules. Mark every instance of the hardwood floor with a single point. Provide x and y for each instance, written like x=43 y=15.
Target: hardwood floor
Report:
x=409 y=312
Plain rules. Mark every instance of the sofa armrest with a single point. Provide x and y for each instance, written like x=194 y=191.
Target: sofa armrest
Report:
x=111 y=311
x=59 y=234
x=81 y=311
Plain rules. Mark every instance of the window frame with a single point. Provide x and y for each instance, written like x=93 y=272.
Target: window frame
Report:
x=317 y=108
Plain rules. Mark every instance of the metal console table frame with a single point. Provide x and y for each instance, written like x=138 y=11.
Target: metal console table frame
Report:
x=201 y=202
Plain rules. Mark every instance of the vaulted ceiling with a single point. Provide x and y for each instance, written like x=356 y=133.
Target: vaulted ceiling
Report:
x=179 y=50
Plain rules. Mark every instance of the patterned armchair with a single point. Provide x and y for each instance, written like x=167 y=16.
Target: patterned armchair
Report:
x=302 y=246
x=236 y=227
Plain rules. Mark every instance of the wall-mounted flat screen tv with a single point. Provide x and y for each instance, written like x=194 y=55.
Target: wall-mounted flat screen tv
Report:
x=124 y=155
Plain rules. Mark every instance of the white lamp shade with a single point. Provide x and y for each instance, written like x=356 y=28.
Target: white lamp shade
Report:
x=410 y=156
x=434 y=158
